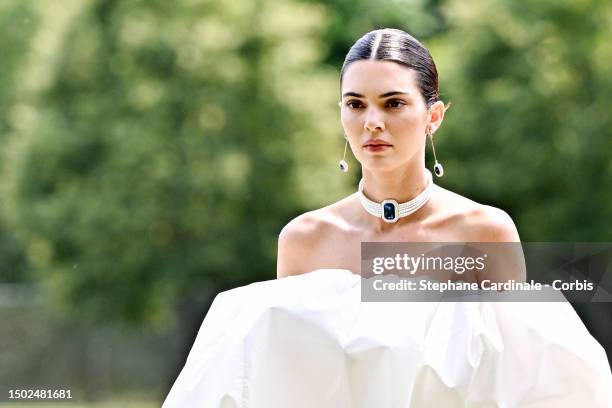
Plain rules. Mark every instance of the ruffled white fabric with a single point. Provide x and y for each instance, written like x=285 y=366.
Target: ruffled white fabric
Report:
x=308 y=341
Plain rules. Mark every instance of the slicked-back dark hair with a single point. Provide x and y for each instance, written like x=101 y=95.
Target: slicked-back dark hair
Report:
x=390 y=44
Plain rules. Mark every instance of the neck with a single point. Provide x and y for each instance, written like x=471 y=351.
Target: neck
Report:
x=400 y=185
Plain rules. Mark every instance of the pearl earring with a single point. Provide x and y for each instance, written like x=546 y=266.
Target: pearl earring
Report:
x=343 y=164
x=438 y=169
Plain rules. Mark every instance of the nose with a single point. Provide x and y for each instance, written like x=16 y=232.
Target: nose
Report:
x=374 y=121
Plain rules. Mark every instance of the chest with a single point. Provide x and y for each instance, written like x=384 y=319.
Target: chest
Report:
x=342 y=248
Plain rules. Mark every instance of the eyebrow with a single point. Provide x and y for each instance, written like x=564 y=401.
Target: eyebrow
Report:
x=385 y=95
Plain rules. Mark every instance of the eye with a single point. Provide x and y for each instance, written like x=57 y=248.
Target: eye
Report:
x=353 y=104
x=396 y=103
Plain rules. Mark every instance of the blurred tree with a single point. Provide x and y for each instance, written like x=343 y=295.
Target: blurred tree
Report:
x=529 y=130
x=18 y=25
x=165 y=147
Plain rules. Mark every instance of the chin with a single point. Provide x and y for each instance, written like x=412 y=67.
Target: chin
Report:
x=382 y=164
x=390 y=162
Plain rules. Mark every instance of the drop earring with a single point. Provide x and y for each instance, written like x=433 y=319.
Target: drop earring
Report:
x=438 y=169
x=343 y=164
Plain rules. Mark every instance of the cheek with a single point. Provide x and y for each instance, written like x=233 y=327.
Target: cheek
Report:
x=352 y=127
x=350 y=121
x=410 y=122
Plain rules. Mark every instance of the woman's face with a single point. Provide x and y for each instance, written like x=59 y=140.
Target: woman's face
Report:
x=382 y=104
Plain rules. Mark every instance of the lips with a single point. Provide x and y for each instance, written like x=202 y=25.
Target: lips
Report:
x=376 y=143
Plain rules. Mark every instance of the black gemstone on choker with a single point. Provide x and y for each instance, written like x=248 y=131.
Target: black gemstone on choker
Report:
x=389 y=211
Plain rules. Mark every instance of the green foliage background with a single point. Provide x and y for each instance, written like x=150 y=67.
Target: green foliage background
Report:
x=152 y=150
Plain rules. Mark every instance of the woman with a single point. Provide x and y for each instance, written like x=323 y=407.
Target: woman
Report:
x=308 y=340
x=390 y=105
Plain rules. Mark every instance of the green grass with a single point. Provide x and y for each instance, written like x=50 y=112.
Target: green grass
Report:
x=114 y=403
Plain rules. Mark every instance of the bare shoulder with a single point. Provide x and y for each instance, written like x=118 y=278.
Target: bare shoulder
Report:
x=480 y=222
x=301 y=238
x=491 y=224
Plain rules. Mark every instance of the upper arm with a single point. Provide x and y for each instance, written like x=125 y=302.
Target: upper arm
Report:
x=296 y=242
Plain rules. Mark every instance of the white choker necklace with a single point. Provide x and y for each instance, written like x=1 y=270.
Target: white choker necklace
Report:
x=390 y=210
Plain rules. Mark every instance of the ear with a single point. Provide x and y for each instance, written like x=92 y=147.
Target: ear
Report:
x=436 y=115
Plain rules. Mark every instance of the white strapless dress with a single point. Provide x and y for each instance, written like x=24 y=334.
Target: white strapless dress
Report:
x=308 y=341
